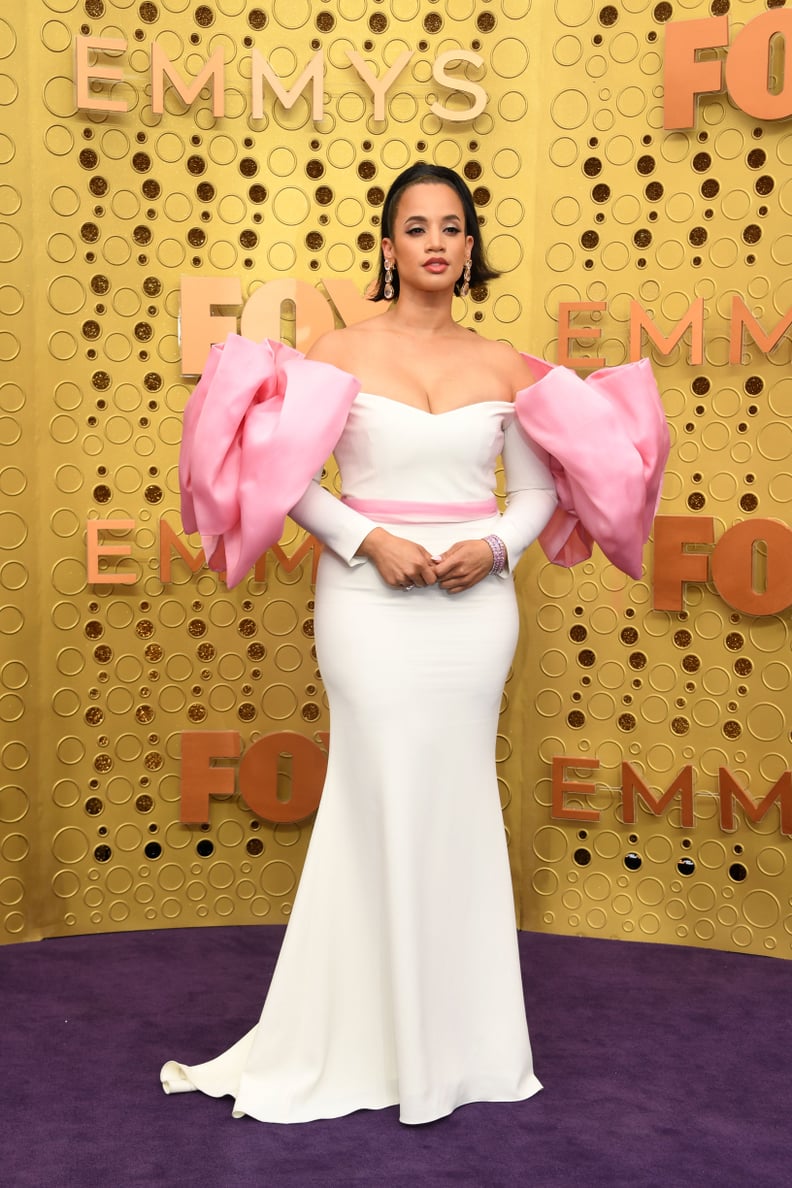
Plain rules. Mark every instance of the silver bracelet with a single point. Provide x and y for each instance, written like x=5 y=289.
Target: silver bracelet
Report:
x=499 y=557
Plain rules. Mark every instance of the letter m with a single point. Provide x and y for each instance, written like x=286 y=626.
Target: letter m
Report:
x=633 y=785
x=693 y=320
x=743 y=319
x=188 y=90
x=729 y=791
x=170 y=540
x=290 y=563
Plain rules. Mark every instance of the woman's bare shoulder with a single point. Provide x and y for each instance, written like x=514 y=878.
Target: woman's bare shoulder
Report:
x=340 y=347
x=506 y=362
x=328 y=348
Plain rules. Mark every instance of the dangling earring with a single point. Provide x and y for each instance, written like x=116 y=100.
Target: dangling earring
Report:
x=388 y=290
x=465 y=288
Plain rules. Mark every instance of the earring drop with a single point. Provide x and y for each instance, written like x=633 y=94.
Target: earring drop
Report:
x=388 y=290
x=465 y=288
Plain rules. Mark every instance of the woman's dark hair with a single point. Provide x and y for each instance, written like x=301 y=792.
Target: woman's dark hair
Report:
x=423 y=173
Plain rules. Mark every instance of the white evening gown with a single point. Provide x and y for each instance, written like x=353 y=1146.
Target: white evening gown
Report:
x=399 y=978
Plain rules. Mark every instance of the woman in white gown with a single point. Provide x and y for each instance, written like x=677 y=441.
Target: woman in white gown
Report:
x=398 y=979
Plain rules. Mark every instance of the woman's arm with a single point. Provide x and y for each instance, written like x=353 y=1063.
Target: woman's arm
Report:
x=355 y=539
x=530 y=493
x=337 y=526
x=530 y=502
x=350 y=535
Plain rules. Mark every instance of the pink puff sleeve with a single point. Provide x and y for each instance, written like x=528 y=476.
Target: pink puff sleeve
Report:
x=608 y=442
x=260 y=422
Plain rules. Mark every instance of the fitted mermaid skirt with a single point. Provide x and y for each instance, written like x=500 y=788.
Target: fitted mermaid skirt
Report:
x=398 y=980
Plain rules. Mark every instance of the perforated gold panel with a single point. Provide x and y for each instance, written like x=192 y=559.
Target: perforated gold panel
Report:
x=633 y=213
x=584 y=198
x=19 y=633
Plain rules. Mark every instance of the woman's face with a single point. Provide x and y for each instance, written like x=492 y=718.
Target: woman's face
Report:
x=429 y=244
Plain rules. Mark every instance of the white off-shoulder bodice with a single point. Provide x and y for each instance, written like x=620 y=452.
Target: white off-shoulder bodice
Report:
x=402 y=465
x=389 y=450
x=263 y=418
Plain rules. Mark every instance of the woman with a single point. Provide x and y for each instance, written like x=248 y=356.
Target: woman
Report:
x=399 y=980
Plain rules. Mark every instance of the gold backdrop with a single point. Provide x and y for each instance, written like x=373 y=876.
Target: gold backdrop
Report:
x=583 y=197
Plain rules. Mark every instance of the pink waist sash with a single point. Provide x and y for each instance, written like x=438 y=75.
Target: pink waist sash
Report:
x=403 y=511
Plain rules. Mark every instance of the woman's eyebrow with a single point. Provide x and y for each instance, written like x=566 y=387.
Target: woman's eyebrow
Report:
x=422 y=219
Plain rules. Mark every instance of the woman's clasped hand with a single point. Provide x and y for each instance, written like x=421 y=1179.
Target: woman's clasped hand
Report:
x=404 y=563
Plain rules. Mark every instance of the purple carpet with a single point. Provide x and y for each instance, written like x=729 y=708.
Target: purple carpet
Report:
x=662 y=1066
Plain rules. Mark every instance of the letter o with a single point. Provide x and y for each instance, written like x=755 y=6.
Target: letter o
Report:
x=258 y=776
x=732 y=567
x=748 y=62
x=261 y=317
